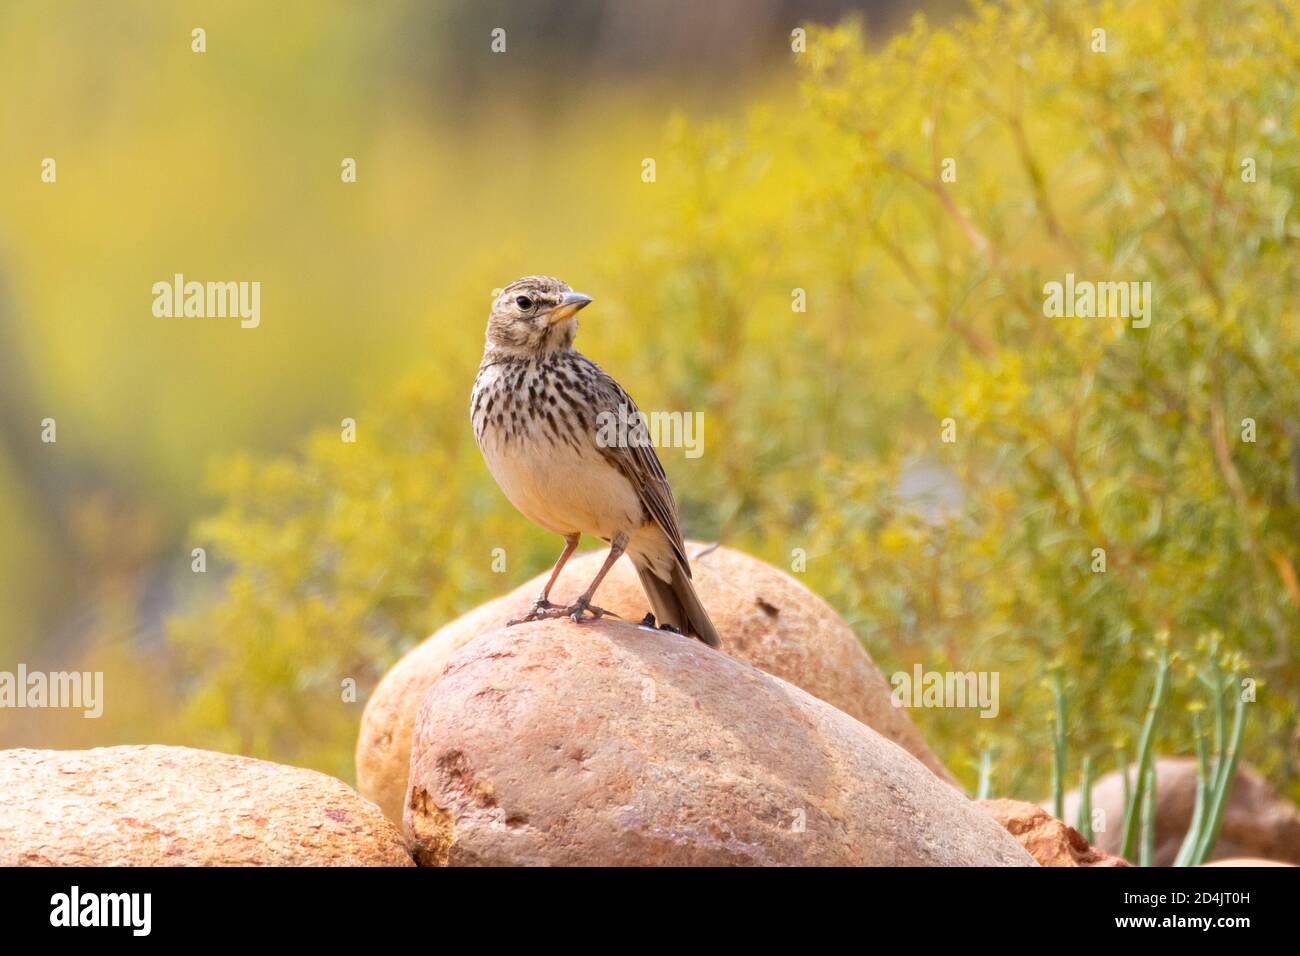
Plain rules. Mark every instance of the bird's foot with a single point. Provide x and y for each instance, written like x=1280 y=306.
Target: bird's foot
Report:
x=539 y=612
x=670 y=629
x=574 y=612
x=648 y=620
x=546 y=611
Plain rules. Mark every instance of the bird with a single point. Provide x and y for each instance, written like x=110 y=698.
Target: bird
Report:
x=537 y=408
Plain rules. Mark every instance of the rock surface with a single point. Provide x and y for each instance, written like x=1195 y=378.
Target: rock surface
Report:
x=1246 y=861
x=608 y=744
x=764 y=616
x=173 y=806
x=1047 y=839
x=1258 y=821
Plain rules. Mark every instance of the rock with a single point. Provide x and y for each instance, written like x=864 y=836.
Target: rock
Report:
x=174 y=806
x=1257 y=823
x=604 y=743
x=1245 y=861
x=1047 y=839
x=764 y=616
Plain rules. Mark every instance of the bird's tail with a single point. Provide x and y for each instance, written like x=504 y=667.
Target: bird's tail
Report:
x=675 y=602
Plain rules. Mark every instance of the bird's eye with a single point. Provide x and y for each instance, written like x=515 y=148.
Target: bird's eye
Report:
x=524 y=302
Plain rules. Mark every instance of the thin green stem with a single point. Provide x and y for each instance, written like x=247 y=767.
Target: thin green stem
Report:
x=1194 y=832
x=1227 y=772
x=986 y=775
x=1083 y=823
x=1147 y=853
x=1059 y=747
x=1144 y=755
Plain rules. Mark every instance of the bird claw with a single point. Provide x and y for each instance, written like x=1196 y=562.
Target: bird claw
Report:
x=538 y=612
x=546 y=611
x=575 y=612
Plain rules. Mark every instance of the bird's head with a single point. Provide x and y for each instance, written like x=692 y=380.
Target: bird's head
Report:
x=534 y=315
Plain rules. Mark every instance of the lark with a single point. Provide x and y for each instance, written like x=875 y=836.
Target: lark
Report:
x=536 y=408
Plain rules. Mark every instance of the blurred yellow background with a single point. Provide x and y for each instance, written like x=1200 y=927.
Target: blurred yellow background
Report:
x=776 y=170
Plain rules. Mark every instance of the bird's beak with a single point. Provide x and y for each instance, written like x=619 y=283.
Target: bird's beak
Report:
x=569 y=306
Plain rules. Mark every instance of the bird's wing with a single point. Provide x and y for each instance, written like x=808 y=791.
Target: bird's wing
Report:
x=638 y=462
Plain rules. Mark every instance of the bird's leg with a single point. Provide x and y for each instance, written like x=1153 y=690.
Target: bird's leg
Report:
x=583 y=604
x=542 y=605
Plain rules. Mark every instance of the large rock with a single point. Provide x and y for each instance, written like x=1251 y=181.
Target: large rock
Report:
x=764 y=616
x=1049 y=841
x=173 y=806
x=1257 y=822
x=608 y=744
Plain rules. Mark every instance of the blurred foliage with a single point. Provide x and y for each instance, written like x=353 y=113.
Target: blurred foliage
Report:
x=1076 y=434
x=925 y=302
x=226 y=165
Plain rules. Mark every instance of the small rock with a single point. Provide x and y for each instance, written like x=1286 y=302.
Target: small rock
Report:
x=1048 y=840
x=1246 y=861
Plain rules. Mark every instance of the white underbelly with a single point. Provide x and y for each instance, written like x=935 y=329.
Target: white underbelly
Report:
x=564 y=491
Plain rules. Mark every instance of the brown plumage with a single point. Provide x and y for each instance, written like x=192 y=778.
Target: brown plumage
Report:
x=537 y=409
